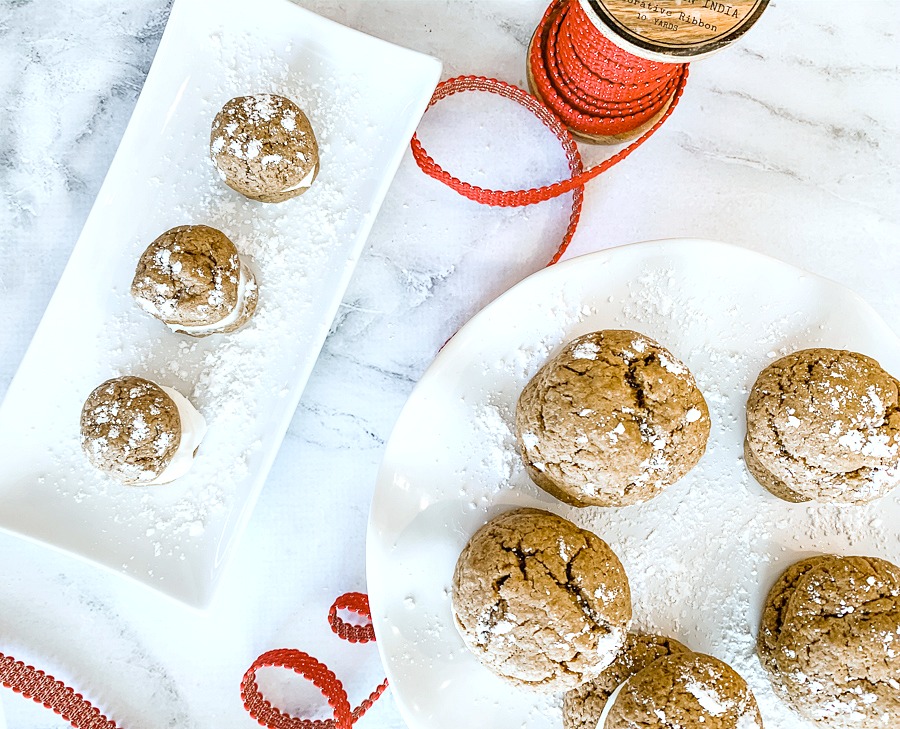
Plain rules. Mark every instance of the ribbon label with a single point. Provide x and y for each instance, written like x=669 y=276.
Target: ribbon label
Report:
x=681 y=28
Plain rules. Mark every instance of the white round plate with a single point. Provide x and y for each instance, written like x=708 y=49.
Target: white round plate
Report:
x=700 y=557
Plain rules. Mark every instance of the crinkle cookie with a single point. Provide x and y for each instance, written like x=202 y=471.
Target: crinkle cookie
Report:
x=683 y=690
x=264 y=147
x=612 y=420
x=824 y=425
x=139 y=432
x=193 y=279
x=830 y=641
x=583 y=706
x=539 y=601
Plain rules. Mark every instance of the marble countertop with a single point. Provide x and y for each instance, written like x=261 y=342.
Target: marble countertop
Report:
x=788 y=143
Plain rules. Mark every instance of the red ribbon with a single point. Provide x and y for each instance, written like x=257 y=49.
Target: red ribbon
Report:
x=609 y=93
x=322 y=677
x=81 y=714
x=52 y=694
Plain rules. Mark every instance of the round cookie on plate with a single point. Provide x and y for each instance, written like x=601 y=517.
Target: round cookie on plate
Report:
x=264 y=147
x=193 y=279
x=139 y=432
x=830 y=641
x=683 y=690
x=539 y=601
x=824 y=425
x=611 y=420
x=583 y=706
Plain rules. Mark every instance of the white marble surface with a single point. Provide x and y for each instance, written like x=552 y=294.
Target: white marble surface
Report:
x=787 y=144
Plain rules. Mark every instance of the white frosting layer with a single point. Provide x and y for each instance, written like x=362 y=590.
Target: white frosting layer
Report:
x=305 y=182
x=193 y=428
x=609 y=704
x=232 y=317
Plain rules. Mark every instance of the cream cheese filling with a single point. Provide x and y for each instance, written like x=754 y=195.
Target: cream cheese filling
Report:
x=193 y=428
x=230 y=319
x=601 y=722
x=305 y=182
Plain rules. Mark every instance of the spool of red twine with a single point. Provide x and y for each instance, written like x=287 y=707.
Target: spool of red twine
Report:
x=599 y=91
x=585 y=85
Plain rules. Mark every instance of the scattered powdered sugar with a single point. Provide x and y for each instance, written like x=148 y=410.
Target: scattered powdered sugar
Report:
x=708 y=698
x=702 y=556
x=242 y=383
x=494 y=431
x=586 y=350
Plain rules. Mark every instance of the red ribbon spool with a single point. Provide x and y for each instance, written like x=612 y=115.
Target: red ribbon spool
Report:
x=585 y=85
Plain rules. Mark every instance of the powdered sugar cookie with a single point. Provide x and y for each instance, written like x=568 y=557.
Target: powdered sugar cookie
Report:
x=539 y=601
x=683 y=690
x=612 y=420
x=264 y=147
x=830 y=641
x=824 y=425
x=139 y=432
x=583 y=706
x=194 y=280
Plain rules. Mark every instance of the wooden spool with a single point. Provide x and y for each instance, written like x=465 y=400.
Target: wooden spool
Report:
x=666 y=31
x=673 y=31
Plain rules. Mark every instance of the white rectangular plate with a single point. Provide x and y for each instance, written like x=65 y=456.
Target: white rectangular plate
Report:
x=364 y=98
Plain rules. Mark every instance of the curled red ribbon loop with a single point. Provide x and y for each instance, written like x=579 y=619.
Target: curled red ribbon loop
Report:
x=609 y=93
x=322 y=677
x=355 y=602
x=509 y=198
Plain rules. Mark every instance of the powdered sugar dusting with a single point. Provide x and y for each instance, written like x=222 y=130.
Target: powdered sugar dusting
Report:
x=241 y=382
x=701 y=556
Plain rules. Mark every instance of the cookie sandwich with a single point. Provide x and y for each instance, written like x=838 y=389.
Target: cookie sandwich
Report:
x=140 y=433
x=193 y=279
x=264 y=147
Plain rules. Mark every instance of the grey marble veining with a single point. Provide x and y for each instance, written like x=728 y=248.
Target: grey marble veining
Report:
x=788 y=143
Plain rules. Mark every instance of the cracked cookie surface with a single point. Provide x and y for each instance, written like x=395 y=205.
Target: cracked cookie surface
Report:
x=264 y=147
x=830 y=641
x=192 y=276
x=540 y=601
x=583 y=706
x=130 y=429
x=612 y=420
x=824 y=425
x=685 y=690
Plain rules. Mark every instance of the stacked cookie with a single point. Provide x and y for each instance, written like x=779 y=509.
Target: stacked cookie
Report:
x=194 y=280
x=657 y=682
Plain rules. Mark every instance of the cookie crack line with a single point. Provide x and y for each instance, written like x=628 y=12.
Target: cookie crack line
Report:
x=823 y=473
x=568 y=586
x=631 y=379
